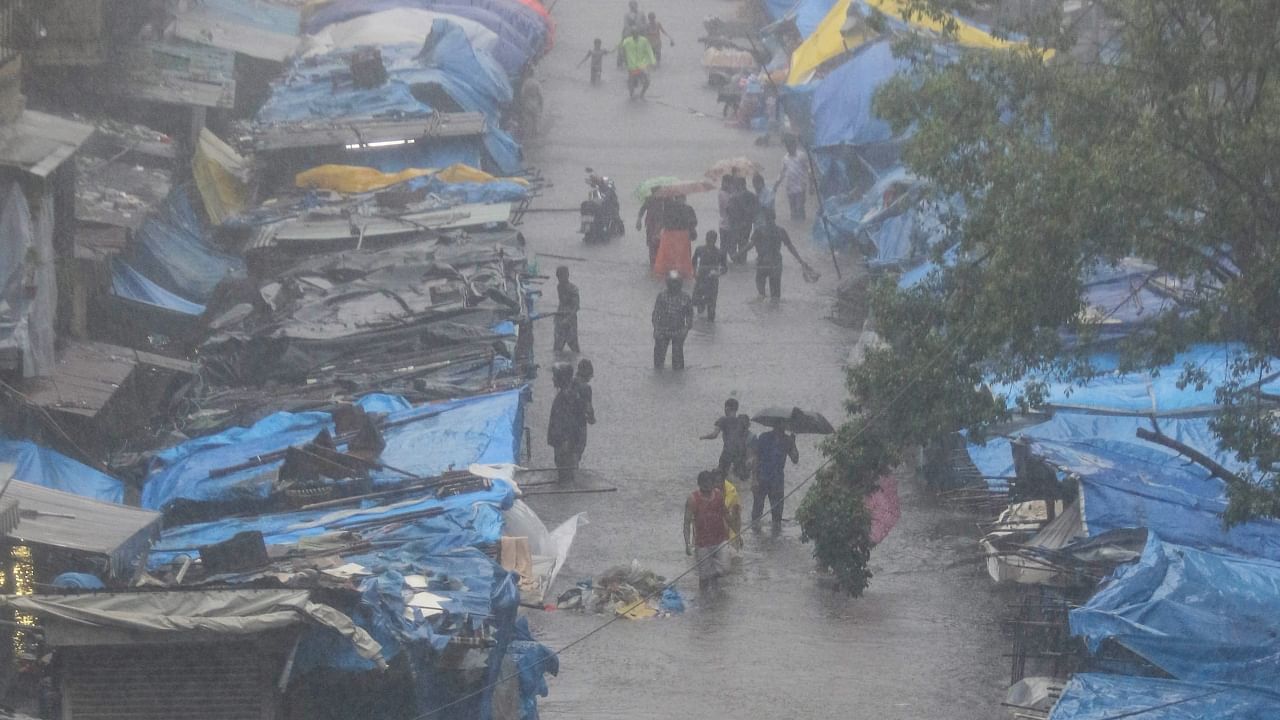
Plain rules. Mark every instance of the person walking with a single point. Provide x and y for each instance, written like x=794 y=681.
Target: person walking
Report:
x=743 y=208
x=675 y=241
x=586 y=402
x=772 y=450
x=565 y=424
x=734 y=430
x=652 y=212
x=631 y=21
x=709 y=263
x=722 y=202
x=795 y=177
x=596 y=56
x=639 y=57
x=566 y=323
x=768 y=241
x=706 y=531
x=672 y=318
x=653 y=32
x=764 y=198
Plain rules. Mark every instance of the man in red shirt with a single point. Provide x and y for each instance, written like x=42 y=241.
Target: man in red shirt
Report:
x=708 y=519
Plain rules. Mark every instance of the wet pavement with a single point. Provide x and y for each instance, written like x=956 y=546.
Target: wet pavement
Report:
x=924 y=642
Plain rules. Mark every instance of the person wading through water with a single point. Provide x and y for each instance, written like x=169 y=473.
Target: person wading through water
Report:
x=706 y=530
x=565 y=425
x=672 y=318
x=566 y=323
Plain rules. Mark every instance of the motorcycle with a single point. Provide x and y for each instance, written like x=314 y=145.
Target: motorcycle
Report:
x=601 y=215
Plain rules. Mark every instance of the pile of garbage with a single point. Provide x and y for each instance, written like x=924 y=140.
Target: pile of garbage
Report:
x=631 y=591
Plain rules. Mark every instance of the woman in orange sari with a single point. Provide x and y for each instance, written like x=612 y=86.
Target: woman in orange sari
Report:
x=675 y=243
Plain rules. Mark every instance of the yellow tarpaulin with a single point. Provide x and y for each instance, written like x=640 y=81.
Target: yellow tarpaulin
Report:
x=357 y=179
x=221 y=176
x=828 y=41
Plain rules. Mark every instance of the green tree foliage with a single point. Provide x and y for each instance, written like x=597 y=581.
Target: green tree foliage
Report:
x=1166 y=148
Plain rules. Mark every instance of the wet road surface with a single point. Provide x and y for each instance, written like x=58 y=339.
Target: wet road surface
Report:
x=924 y=642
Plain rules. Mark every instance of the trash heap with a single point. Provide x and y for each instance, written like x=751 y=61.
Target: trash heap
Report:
x=308 y=317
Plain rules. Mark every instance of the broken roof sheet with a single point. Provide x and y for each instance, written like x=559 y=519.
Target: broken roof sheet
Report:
x=366 y=132
x=38 y=142
x=251 y=27
x=71 y=522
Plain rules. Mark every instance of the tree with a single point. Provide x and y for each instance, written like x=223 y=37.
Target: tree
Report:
x=1167 y=150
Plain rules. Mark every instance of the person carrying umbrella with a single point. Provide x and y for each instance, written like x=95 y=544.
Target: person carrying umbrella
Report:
x=772 y=450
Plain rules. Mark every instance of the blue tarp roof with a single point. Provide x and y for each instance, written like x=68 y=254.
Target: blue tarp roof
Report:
x=1091 y=696
x=471 y=78
x=132 y=285
x=47 y=468
x=468 y=520
x=453 y=434
x=808 y=14
x=174 y=249
x=1195 y=614
x=842 y=112
x=1140 y=391
x=271 y=17
x=1132 y=485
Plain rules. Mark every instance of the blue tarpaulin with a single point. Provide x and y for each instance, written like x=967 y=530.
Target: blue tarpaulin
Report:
x=1144 y=391
x=467 y=520
x=842 y=112
x=132 y=285
x=44 y=467
x=1195 y=614
x=808 y=14
x=174 y=249
x=426 y=440
x=470 y=79
x=1131 y=485
x=1091 y=696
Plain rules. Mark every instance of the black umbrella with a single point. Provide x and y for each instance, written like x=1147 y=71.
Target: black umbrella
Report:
x=794 y=419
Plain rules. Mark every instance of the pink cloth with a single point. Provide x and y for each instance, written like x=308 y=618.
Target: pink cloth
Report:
x=885 y=508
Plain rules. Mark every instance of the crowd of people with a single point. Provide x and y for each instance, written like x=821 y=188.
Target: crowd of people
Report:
x=713 y=517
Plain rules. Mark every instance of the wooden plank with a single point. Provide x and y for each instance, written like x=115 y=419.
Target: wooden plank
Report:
x=306 y=134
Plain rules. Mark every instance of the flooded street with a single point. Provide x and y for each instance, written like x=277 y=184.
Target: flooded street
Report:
x=924 y=642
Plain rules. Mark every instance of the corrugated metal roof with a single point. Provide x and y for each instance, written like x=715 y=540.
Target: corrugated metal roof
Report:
x=63 y=520
x=38 y=142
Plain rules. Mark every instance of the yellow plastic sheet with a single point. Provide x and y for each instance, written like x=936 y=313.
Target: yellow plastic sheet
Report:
x=357 y=179
x=353 y=178
x=828 y=41
x=221 y=176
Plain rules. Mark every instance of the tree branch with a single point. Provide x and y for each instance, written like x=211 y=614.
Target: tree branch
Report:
x=1192 y=454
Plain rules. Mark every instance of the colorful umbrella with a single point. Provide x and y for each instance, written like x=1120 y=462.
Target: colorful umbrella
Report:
x=741 y=166
x=885 y=508
x=667 y=186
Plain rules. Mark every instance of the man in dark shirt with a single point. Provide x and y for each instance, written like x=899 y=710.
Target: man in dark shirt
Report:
x=582 y=384
x=566 y=329
x=734 y=430
x=743 y=207
x=772 y=450
x=768 y=240
x=565 y=424
x=709 y=263
x=672 y=318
